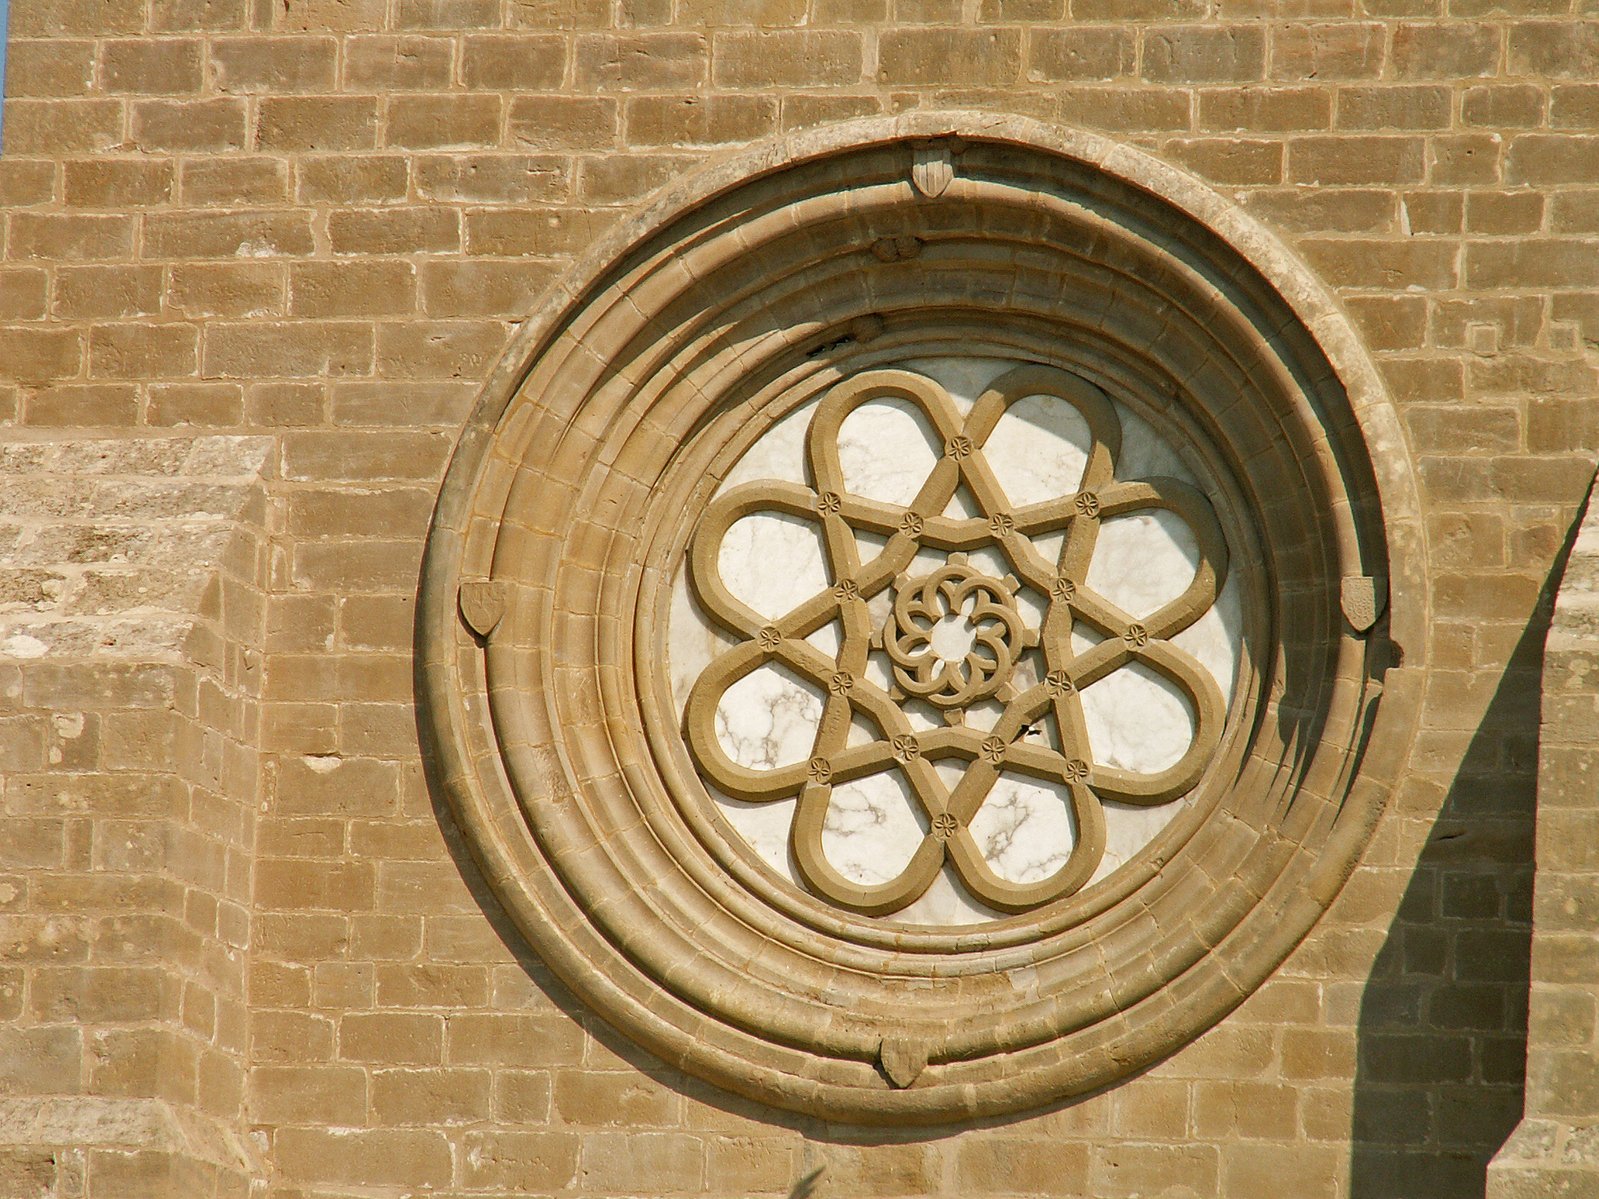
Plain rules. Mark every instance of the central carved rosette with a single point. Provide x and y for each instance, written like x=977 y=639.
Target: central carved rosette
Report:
x=954 y=637
x=977 y=610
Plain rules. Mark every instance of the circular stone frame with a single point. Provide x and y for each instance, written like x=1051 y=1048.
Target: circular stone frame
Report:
x=784 y=268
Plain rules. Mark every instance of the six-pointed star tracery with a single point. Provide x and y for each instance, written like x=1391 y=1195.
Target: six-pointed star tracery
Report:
x=987 y=668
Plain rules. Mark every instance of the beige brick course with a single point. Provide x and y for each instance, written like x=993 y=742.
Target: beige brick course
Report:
x=224 y=885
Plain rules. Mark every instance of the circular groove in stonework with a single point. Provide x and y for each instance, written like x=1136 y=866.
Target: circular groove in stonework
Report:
x=617 y=675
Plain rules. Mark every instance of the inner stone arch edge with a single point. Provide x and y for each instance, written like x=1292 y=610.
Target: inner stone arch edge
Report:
x=503 y=783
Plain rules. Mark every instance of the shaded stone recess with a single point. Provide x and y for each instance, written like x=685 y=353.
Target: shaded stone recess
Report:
x=240 y=944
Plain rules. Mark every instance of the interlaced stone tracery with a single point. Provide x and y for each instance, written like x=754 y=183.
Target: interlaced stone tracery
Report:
x=987 y=670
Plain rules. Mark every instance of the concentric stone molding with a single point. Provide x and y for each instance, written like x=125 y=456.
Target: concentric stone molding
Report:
x=756 y=286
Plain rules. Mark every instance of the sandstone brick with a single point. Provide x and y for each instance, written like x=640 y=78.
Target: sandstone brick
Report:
x=143 y=351
x=188 y=125
x=438 y=349
x=319 y=16
x=1331 y=210
x=284 y=405
x=563 y=122
x=36 y=69
x=163 y=67
x=764 y=13
x=617 y=178
x=1258 y=1170
x=543 y=232
x=483 y=288
x=317 y=123
x=1433 y=51
x=1504 y=213
x=1562 y=49
x=1541 y=264
x=108 y=404
x=234 y=182
x=70 y=237
x=1327 y=51
x=694 y=121
x=23 y=292
x=448 y=14
x=393 y=1038
x=1465 y=159
x=438 y=402
x=219 y=405
x=1082 y=54
x=231 y=235
x=99 y=292
x=41 y=1060
x=110 y=183
x=1433 y=212
x=1551 y=159
x=286 y=349
x=522 y=1159
x=346 y=180
x=1377 y=264
x=364 y=1157
x=1503 y=106
x=71 y=995
x=1335 y=160
x=787 y=58
x=1131 y=1169
x=36 y=355
x=492 y=179
x=337 y=289
x=440 y=986
x=227 y=289
x=53 y=126
x=274 y=65
x=978 y=58
x=195 y=16
x=608 y=63
x=800 y=111
x=1205 y=54
x=1394 y=108
x=1230 y=160
x=1265 y=109
x=386 y=62
x=599 y=1099
x=430 y=1097
x=61 y=18
x=330 y=454
x=1020 y=1164
x=435 y=122
x=657 y=1161
x=1573 y=106
x=25 y=183
x=395 y=231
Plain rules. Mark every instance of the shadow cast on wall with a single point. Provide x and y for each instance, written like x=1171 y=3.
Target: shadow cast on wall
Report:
x=1442 y=1036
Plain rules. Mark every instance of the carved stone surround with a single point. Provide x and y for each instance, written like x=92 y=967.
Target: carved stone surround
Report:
x=1124 y=585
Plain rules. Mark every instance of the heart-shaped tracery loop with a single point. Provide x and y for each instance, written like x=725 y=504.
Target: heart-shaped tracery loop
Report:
x=955 y=636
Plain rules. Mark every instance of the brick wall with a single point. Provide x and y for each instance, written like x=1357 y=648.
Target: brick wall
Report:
x=318 y=221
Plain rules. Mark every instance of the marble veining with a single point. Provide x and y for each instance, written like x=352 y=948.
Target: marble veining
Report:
x=1136 y=720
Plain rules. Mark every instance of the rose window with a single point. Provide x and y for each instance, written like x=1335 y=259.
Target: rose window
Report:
x=918 y=662
x=924 y=617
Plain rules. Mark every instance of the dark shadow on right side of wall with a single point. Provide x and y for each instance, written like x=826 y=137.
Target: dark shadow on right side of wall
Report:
x=1442 y=1034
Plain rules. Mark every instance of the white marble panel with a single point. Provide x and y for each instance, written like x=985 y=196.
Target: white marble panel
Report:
x=1137 y=720
x=1025 y=829
x=873 y=827
x=893 y=478
x=768 y=719
x=1143 y=560
x=773 y=561
x=1038 y=450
